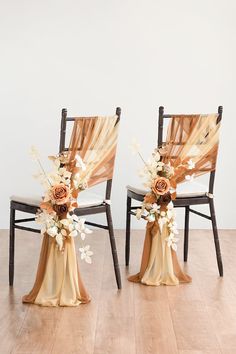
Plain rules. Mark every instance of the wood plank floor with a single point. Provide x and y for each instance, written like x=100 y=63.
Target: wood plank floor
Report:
x=189 y=319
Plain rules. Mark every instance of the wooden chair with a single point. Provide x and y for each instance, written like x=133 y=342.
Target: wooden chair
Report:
x=90 y=205
x=197 y=194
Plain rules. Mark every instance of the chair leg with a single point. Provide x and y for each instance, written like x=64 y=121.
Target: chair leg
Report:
x=113 y=246
x=216 y=237
x=186 y=233
x=11 y=246
x=127 y=239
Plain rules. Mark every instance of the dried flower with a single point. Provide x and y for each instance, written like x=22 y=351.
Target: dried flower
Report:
x=161 y=185
x=86 y=254
x=61 y=209
x=150 y=198
x=60 y=193
x=164 y=199
x=191 y=164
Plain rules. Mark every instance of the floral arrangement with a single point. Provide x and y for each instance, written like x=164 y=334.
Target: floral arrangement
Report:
x=160 y=179
x=61 y=188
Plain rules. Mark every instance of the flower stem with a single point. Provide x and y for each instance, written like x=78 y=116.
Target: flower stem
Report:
x=41 y=166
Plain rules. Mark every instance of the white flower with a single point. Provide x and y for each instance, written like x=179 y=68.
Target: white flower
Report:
x=63 y=172
x=80 y=226
x=160 y=166
x=86 y=254
x=139 y=213
x=162 y=221
x=73 y=233
x=65 y=222
x=59 y=240
x=173 y=227
x=189 y=178
x=151 y=217
x=80 y=163
x=52 y=231
x=75 y=217
x=170 y=205
x=156 y=156
x=34 y=153
x=174 y=246
x=76 y=180
x=155 y=208
x=63 y=232
x=191 y=164
x=56 y=162
x=171 y=241
x=134 y=146
x=46 y=220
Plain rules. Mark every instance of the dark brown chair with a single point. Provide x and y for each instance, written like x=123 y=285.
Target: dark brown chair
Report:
x=90 y=205
x=197 y=195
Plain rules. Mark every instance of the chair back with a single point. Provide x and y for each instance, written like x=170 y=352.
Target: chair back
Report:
x=185 y=123
x=92 y=136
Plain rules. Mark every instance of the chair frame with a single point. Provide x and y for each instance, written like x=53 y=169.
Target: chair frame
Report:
x=31 y=209
x=186 y=203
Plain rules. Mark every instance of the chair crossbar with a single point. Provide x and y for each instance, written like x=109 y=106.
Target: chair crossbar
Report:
x=27 y=228
x=97 y=225
x=200 y=214
x=24 y=220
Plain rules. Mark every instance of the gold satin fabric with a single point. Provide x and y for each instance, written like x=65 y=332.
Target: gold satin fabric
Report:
x=58 y=280
x=159 y=262
x=95 y=139
x=193 y=137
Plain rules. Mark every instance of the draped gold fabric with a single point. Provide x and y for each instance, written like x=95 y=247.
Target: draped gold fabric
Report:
x=95 y=139
x=58 y=280
x=193 y=137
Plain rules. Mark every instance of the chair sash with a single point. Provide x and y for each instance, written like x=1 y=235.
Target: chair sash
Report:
x=194 y=137
x=58 y=281
x=188 y=137
x=95 y=140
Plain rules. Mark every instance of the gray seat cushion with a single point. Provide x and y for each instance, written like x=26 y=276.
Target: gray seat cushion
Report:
x=85 y=200
x=184 y=190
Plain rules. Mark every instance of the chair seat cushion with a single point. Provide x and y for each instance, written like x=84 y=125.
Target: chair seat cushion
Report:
x=184 y=190
x=85 y=200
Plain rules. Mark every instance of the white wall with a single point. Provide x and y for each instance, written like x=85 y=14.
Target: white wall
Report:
x=91 y=56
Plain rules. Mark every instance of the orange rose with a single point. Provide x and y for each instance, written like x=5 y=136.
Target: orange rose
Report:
x=161 y=185
x=60 y=193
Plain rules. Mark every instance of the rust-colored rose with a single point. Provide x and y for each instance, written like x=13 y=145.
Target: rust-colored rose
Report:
x=60 y=193
x=161 y=185
x=165 y=199
x=61 y=209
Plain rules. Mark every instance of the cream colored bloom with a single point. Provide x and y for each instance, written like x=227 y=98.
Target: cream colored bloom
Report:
x=34 y=153
x=59 y=240
x=191 y=164
x=155 y=208
x=80 y=163
x=139 y=213
x=151 y=217
x=171 y=241
x=86 y=254
x=162 y=220
x=190 y=177
x=52 y=231
x=135 y=146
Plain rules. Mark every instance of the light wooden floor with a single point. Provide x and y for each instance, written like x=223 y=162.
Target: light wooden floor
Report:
x=187 y=319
